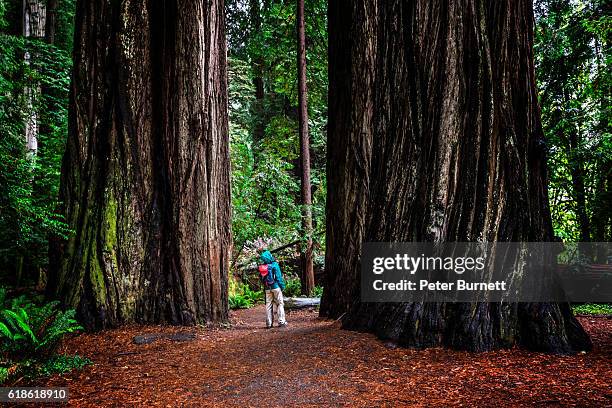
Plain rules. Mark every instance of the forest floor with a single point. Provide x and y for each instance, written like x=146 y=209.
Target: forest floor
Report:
x=315 y=363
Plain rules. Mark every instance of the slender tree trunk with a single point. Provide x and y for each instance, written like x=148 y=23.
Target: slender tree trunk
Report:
x=34 y=21
x=434 y=135
x=307 y=264
x=258 y=80
x=145 y=178
x=51 y=21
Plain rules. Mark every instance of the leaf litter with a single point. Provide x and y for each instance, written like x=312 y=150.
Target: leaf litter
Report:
x=314 y=362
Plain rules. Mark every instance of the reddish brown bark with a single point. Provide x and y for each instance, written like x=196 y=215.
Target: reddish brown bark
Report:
x=145 y=178
x=435 y=135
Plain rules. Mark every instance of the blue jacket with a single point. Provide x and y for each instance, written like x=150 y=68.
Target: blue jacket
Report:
x=268 y=259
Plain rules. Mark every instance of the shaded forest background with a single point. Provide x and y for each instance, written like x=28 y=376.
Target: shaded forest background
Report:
x=572 y=50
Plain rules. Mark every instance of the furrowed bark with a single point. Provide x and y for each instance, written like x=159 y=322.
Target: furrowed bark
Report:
x=307 y=275
x=435 y=135
x=145 y=178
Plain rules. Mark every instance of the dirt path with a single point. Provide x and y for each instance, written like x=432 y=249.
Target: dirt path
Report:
x=315 y=363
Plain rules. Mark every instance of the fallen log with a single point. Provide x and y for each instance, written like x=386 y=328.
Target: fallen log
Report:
x=301 y=303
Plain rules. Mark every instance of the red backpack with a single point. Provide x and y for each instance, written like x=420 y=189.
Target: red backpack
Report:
x=267 y=276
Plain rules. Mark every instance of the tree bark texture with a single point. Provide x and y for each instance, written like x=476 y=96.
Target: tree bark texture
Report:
x=145 y=178
x=307 y=276
x=434 y=135
x=34 y=22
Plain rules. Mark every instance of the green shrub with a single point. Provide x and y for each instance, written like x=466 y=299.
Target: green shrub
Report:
x=293 y=287
x=61 y=363
x=593 y=309
x=241 y=296
x=254 y=295
x=239 y=302
x=34 y=368
x=30 y=333
x=28 y=329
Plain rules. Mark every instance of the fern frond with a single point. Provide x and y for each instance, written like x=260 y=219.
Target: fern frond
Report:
x=6 y=332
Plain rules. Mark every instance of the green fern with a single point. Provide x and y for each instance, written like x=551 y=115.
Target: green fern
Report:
x=63 y=324
x=5 y=331
x=29 y=329
x=239 y=301
x=4 y=374
x=19 y=322
x=30 y=332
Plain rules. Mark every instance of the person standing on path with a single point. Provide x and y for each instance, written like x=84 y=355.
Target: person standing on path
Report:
x=274 y=284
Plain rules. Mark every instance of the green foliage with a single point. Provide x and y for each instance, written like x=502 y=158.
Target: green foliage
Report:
x=64 y=32
x=293 y=288
x=317 y=291
x=29 y=183
x=61 y=363
x=265 y=167
x=241 y=296
x=238 y=301
x=3 y=22
x=572 y=51
x=593 y=309
x=30 y=333
x=29 y=329
x=35 y=368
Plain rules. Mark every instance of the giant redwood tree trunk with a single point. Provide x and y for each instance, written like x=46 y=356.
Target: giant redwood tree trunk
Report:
x=435 y=135
x=145 y=178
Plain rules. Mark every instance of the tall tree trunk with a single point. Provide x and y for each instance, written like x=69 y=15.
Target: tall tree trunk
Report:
x=307 y=276
x=51 y=23
x=145 y=178
x=34 y=21
x=258 y=65
x=434 y=135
